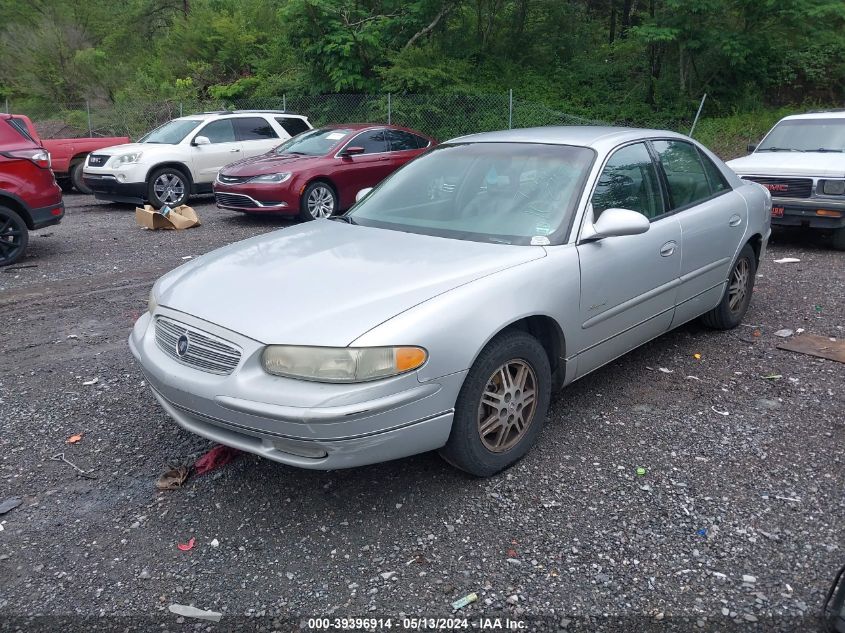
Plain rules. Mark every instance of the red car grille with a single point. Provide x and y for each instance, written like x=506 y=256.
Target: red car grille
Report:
x=785 y=187
x=234 y=200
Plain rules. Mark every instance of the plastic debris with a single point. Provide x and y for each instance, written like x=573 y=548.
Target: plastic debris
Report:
x=641 y=471
x=787 y=260
x=693 y=378
x=188 y=257
x=9 y=504
x=756 y=333
x=784 y=333
x=187 y=546
x=93 y=381
x=715 y=410
x=218 y=456
x=461 y=603
x=60 y=457
x=697 y=356
x=192 y=612
x=73 y=439
x=665 y=371
x=773 y=377
x=214 y=543
x=701 y=532
x=173 y=478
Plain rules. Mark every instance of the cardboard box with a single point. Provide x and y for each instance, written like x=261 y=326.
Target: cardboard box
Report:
x=183 y=217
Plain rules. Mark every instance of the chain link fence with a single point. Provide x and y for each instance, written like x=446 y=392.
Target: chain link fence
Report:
x=442 y=116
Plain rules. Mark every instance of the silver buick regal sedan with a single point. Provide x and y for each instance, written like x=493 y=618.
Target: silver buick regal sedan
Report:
x=444 y=308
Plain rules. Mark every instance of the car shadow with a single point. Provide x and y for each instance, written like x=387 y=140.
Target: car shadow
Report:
x=801 y=237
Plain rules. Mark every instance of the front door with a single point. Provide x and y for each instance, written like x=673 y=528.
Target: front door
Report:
x=629 y=284
x=223 y=148
x=353 y=173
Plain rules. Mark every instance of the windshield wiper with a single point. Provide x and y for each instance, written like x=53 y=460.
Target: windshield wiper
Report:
x=825 y=149
x=779 y=149
x=344 y=218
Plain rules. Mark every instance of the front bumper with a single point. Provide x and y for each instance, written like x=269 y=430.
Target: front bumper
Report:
x=306 y=424
x=47 y=216
x=805 y=212
x=249 y=198
x=106 y=187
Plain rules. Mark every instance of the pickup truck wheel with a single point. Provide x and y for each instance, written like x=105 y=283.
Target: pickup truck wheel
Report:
x=838 y=240
x=502 y=405
x=13 y=236
x=76 y=178
x=734 y=304
x=66 y=184
x=168 y=186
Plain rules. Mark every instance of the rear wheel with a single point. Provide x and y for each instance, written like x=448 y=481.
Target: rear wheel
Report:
x=838 y=240
x=76 y=178
x=501 y=407
x=734 y=304
x=14 y=236
x=168 y=186
x=318 y=201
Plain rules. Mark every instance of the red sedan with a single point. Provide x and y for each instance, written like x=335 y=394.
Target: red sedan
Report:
x=319 y=172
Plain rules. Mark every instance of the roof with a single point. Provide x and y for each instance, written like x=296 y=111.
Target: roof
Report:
x=581 y=135
x=202 y=116
x=829 y=114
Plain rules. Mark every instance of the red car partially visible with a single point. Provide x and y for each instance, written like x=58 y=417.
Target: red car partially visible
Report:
x=318 y=173
x=29 y=196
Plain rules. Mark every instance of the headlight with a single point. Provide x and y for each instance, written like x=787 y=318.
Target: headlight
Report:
x=271 y=178
x=341 y=364
x=126 y=159
x=834 y=187
x=152 y=302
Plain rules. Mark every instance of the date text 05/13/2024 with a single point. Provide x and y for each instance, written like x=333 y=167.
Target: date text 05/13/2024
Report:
x=415 y=624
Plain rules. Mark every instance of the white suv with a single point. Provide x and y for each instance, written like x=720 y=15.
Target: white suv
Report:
x=801 y=161
x=182 y=157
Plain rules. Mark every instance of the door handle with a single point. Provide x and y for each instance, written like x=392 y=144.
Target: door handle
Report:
x=735 y=220
x=668 y=248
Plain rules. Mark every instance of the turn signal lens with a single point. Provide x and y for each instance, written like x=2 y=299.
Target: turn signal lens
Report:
x=827 y=213
x=341 y=364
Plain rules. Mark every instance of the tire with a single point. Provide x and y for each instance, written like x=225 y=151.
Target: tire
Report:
x=168 y=186
x=485 y=453
x=14 y=236
x=726 y=316
x=76 y=178
x=838 y=240
x=66 y=184
x=319 y=200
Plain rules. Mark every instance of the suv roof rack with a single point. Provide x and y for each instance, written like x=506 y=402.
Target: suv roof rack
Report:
x=243 y=111
x=825 y=111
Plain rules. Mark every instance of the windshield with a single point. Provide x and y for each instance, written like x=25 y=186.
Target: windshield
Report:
x=508 y=193
x=314 y=143
x=170 y=133
x=806 y=135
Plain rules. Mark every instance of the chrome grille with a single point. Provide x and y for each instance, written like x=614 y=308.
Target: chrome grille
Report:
x=97 y=160
x=204 y=351
x=233 y=179
x=236 y=200
x=785 y=187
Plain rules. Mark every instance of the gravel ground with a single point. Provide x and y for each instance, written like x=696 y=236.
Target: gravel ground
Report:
x=736 y=525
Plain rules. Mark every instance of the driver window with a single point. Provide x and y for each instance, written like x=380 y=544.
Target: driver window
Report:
x=219 y=131
x=629 y=181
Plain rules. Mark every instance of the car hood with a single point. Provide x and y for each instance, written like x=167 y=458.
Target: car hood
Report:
x=327 y=282
x=826 y=164
x=269 y=163
x=127 y=148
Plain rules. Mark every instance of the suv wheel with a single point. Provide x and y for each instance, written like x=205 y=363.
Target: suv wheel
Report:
x=734 y=304
x=318 y=201
x=502 y=405
x=14 y=236
x=168 y=186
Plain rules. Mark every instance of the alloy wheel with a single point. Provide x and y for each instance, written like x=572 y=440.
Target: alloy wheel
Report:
x=320 y=202
x=11 y=238
x=507 y=406
x=738 y=288
x=169 y=188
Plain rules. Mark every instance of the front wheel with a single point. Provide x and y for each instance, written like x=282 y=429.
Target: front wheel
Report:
x=734 y=304
x=14 y=236
x=168 y=186
x=318 y=201
x=76 y=178
x=501 y=407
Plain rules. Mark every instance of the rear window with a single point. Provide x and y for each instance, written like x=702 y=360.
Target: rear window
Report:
x=292 y=126
x=20 y=127
x=253 y=129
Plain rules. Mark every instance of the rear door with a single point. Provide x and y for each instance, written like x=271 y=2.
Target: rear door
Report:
x=256 y=135
x=223 y=148
x=713 y=220
x=628 y=284
x=404 y=147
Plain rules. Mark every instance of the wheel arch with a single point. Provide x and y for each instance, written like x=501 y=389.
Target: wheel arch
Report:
x=549 y=334
x=756 y=242
x=320 y=178
x=17 y=205
x=173 y=164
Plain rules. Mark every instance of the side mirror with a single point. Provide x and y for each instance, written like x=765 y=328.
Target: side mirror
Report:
x=616 y=223
x=362 y=194
x=353 y=151
x=751 y=147
x=201 y=140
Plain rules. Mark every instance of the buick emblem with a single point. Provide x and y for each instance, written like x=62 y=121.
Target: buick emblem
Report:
x=182 y=345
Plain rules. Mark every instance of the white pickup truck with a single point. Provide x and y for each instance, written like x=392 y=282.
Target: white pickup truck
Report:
x=801 y=161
